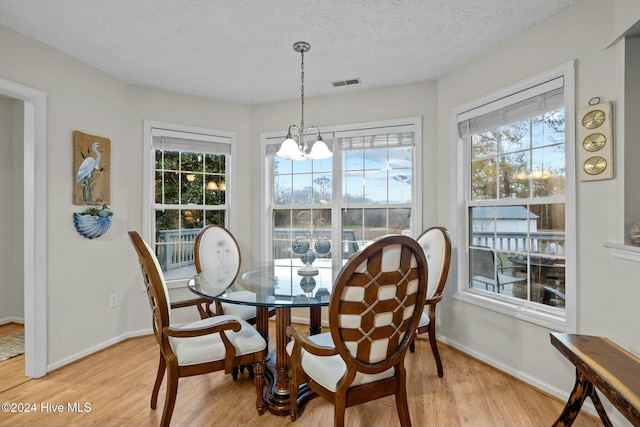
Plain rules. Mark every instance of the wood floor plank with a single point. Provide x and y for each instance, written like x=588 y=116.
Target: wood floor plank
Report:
x=12 y=373
x=117 y=384
x=10 y=329
x=11 y=370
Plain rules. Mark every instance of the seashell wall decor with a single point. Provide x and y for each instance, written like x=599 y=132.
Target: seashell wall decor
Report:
x=93 y=222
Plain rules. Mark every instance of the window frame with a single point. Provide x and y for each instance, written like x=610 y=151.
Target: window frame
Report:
x=266 y=171
x=148 y=178
x=461 y=177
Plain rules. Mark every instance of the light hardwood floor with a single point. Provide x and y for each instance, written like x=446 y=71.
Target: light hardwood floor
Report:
x=10 y=329
x=117 y=384
x=11 y=370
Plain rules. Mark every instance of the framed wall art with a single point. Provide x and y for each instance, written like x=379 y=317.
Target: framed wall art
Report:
x=91 y=169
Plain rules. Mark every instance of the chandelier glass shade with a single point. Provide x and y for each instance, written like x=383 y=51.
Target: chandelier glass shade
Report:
x=295 y=146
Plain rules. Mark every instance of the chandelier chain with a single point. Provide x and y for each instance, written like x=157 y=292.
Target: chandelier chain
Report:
x=302 y=89
x=295 y=147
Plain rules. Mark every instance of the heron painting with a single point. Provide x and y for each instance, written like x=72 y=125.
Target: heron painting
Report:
x=91 y=169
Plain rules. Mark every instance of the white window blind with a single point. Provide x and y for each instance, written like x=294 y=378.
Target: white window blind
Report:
x=531 y=102
x=212 y=145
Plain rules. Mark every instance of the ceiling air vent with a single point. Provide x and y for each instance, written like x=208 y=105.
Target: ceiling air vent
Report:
x=348 y=82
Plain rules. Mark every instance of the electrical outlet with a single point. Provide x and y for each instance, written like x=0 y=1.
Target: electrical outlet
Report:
x=113 y=300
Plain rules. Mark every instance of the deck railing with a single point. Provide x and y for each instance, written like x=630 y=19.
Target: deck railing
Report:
x=174 y=248
x=542 y=242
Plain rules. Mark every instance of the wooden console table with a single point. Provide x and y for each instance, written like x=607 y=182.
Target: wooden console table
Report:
x=602 y=364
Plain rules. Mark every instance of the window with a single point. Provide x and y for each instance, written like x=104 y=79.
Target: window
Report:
x=517 y=200
x=188 y=176
x=366 y=190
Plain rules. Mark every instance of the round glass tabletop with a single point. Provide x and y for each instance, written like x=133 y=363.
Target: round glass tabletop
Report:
x=271 y=283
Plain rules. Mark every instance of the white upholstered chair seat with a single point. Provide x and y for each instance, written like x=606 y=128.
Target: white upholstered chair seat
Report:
x=242 y=311
x=208 y=348
x=424 y=320
x=327 y=370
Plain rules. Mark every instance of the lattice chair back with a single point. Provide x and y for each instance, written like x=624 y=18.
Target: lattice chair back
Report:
x=376 y=305
x=155 y=285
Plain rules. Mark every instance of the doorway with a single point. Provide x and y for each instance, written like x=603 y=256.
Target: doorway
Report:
x=34 y=229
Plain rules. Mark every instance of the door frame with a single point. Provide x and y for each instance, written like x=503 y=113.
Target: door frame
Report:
x=35 y=226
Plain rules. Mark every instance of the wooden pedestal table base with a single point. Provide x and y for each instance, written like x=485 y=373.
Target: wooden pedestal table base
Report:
x=277 y=369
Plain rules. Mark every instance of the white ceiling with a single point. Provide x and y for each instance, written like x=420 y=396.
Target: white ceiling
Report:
x=241 y=50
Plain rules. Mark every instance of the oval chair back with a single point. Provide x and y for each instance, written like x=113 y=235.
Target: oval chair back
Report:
x=217 y=254
x=374 y=303
x=436 y=244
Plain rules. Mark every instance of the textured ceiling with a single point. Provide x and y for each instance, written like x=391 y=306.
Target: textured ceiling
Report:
x=241 y=50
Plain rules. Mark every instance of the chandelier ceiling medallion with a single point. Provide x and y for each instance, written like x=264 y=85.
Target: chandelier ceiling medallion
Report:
x=295 y=145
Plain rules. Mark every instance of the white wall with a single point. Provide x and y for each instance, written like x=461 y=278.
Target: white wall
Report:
x=144 y=103
x=83 y=273
x=6 y=260
x=627 y=13
x=17 y=203
x=607 y=292
x=11 y=167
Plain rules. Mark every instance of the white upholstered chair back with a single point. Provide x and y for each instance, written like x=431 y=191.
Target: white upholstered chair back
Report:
x=217 y=255
x=436 y=245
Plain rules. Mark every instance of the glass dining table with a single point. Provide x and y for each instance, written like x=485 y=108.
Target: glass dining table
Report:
x=283 y=284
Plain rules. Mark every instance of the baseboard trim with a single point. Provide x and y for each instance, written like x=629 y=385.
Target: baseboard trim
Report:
x=6 y=320
x=98 y=347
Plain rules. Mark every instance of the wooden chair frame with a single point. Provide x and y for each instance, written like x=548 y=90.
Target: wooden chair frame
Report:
x=203 y=306
x=352 y=275
x=162 y=331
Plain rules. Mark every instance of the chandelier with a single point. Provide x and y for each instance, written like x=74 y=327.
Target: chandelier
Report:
x=295 y=145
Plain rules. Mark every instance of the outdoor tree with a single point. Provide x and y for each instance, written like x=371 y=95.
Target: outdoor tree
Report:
x=324 y=184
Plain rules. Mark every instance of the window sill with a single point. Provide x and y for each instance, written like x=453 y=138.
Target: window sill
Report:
x=619 y=250
x=542 y=318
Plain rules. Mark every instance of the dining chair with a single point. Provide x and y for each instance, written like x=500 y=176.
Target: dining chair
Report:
x=217 y=255
x=436 y=244
x=212 y=344
x=372 y=320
